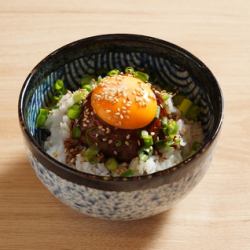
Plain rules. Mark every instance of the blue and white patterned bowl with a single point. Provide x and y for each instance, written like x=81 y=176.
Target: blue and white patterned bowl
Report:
x=120 y=198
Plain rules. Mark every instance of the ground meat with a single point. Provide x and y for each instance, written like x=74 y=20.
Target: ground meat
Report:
x=123 y=144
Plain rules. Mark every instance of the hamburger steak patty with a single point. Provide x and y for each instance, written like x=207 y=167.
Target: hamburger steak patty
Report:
x=123 y=144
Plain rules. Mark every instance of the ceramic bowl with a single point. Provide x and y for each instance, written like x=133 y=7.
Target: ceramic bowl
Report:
x=120 y=198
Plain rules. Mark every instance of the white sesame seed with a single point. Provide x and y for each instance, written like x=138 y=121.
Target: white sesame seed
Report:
x=128 y=136
x=110 y=141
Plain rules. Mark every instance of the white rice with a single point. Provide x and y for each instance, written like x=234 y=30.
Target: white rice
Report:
x=59 y=126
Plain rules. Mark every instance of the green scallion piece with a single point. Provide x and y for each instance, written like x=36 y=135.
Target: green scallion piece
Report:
x=91 y=153
x=56 y=99
x=111 y=164
x=141 y=75
x=42 y=117
x=129 y=70
x=148 y=150
x=127 y=173
x=177 y=141
x=59 y=87
x=145 y=152
x=148 y=141
x=113 y=72
x=172 y=127
x=76 y=132
x=86 y=80
x=74 y=111
x=158 y=112
x=164 y=146
x=80 y=95
x=144 y=133
x=99 y=79
x=184 y=106
x=87 y=87
x=165 y=96
x=143 y=156
x=164 y=122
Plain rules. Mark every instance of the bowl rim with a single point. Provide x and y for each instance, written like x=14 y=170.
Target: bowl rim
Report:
x=142 y=38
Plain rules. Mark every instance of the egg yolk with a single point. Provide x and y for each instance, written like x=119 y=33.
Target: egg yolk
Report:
x=124 y=101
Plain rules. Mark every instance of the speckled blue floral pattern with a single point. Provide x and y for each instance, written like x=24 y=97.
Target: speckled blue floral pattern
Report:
x=116 y=205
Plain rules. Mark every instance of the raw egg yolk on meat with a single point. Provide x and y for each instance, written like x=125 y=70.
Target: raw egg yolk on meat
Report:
x=124 y=101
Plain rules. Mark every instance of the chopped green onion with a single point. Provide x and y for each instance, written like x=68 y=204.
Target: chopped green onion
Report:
x=177 y=99
x=91 y=153
x=76 y=132
x=144 y=133
x=113 y=72
x=177 y=141
x=86 y=80
x=88 y=87
x=42 y=117
x=172 y=127
x=128 y=173
x=141 y=75
x=164 y=96
x=158 y=111
x=129 y=70
x=185 y=105
x=59 y=87
x=111 y=164
x=145 y=152
x=74 y=111
x=143 y=156
x=118 y=143
x=80 y=95
x=164 y=121
x=99 y=79
x=56 y=99
x=164 y=146
x=148 y=141
x=193 y=112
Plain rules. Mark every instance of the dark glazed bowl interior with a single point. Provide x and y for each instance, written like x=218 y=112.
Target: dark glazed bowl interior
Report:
x=168 y=65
